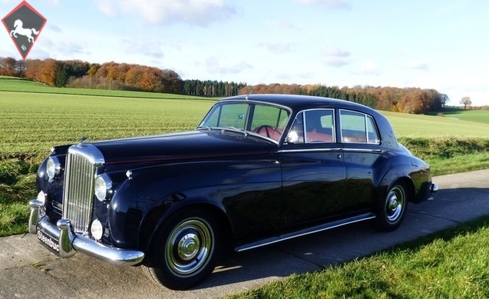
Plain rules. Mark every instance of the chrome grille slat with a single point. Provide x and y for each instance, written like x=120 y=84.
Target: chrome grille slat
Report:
x=80 y=171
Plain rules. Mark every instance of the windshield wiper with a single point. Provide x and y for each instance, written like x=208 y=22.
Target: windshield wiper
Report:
x=233 y=129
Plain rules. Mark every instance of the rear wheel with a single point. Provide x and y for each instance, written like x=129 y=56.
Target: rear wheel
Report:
x=184 y=250
x=392 y=208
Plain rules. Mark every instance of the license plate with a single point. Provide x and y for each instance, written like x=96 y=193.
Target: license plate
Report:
x=48 y=241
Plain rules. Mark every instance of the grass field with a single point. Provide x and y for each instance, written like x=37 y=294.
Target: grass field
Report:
x=466 y=114
x=426 y=126
x=22 y=85
x=33 y=122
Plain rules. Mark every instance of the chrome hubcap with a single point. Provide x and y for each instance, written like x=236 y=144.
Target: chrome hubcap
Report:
x=189 y=247
x=394 y=204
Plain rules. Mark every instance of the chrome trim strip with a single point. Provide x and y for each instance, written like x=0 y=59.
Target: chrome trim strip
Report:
x=70 y=243
x=304 y=232
x=309 y=150
x=352 y=150
x=363 y=150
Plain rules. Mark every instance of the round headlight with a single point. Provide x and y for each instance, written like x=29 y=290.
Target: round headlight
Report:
x=103 y=187
x=97 y=229
x=53 y=167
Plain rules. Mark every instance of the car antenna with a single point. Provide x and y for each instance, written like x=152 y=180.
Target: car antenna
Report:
x=249 y=93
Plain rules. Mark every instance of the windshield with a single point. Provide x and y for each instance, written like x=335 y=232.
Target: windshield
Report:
x=266 y=120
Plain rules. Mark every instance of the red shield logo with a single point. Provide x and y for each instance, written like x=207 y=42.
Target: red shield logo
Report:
x=24 y=24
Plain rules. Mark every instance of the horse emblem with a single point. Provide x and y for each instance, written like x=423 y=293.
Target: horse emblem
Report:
x=19 y=29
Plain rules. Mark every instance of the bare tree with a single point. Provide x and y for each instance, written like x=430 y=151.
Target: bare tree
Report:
x=466 y=102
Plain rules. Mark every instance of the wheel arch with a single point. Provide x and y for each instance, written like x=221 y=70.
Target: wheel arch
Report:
x=155 y=218
x=390 y=179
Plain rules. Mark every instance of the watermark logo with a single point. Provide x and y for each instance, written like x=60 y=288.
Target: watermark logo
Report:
x=24 y=24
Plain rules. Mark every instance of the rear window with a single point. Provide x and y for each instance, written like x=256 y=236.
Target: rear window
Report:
x=358 y=127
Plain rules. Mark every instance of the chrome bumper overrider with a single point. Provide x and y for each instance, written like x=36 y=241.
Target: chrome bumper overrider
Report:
x=69 y=243
x=433 y=189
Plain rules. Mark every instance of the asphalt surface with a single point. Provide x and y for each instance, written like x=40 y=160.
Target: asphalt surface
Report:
x=27 y=270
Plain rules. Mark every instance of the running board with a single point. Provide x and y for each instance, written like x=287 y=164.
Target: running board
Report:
x=308 y=231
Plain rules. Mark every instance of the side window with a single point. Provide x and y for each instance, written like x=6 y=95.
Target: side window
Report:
x=372 y=135
x=319 y=124
x=358 y=127
x=269 y=121
x=269 y=116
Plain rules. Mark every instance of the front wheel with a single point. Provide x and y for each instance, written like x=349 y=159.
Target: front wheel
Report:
x=392 y=208
x=185 y=249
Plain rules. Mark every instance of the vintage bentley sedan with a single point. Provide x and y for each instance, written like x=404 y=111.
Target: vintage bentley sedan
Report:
x=257 y=170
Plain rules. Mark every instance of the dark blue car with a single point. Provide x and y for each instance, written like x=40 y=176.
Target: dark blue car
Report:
x=257 y=170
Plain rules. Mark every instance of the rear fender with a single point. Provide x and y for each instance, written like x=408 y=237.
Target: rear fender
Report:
x=399 y=173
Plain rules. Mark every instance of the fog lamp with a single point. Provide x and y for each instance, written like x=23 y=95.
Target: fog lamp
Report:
x=97 y=230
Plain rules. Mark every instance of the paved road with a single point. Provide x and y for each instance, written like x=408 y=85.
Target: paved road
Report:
x=28 y=271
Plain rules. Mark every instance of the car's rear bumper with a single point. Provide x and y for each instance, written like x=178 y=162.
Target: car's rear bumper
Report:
x=60 y=238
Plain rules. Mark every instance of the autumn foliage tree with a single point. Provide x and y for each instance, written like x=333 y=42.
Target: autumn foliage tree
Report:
x=11 y=67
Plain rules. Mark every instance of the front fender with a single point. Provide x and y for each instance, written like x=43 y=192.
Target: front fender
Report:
x=141 y=202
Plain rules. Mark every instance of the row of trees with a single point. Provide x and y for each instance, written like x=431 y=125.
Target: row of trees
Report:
x=111 y=75
x=407 y=100
x=211 y=88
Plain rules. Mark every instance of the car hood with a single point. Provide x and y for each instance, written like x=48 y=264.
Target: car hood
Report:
x=194 y=145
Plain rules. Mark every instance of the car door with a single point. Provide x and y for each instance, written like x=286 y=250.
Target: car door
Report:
x=313 y=170
x=361 y=150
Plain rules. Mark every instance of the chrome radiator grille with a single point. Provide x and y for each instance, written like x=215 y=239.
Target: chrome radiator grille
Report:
x=78 y=191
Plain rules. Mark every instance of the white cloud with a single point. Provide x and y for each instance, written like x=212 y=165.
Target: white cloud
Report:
x=53 y=2
x=370 y=68
x=163 y=12
x=306 y=75
x=153 y=51
x=336 y=61
x=335 y=51
x=419 y=65
x=331 y=4
x=61 y=48
x=336 y=57
x=53 y=27
x=278 y=48
x=106 y=7
x=213 y=66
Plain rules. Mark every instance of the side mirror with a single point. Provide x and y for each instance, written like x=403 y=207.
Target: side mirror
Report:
x=292 y=137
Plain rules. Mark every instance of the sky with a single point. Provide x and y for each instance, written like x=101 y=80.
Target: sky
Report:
x=438 y=44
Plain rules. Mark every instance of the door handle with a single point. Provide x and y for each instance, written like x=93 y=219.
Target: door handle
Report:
x=339 y=156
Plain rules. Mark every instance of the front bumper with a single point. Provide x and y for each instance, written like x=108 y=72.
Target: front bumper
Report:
x=68 y=243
